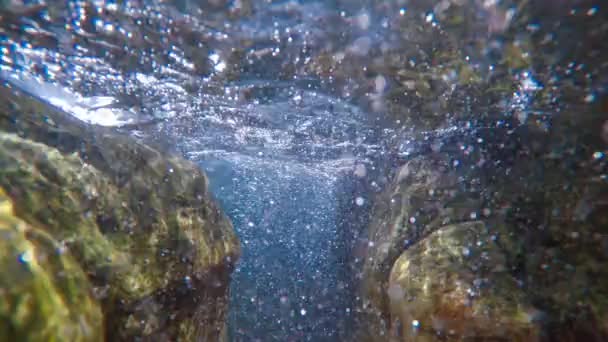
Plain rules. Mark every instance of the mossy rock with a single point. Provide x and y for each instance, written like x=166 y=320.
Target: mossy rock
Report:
x=44 y=294
x=455 y=284
x=426 y=193
x=543 y=196
x=141 y=224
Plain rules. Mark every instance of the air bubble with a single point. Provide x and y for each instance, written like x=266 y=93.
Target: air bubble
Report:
x=26 y=257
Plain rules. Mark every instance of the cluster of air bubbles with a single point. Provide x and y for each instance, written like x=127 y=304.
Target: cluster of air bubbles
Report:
x=522 y=97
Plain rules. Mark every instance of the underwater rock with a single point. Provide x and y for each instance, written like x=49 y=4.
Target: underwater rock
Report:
x=455 y=283
x=426 y=193
x=44 y=294
x=415 y=67
x=140 y=223
x=539 y=195
x=529 y=167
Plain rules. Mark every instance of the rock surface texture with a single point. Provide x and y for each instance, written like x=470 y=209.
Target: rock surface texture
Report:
x=500 y=240
x=499 y=231
x=107 y=237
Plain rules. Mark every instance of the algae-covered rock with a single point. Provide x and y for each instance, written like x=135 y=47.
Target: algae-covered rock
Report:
x=426 y=193
x=44 y=294
x=427 y=68
x=141 y=224
x=455 y=283
x=539 y=195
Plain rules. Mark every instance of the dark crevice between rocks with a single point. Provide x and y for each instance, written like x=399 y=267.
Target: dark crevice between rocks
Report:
x=189 y=298
x=352 y=240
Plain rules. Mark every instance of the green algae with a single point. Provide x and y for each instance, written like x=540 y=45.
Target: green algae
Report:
x=456 y=283
x=543 y=202
x=140 y=223
x=44 y=294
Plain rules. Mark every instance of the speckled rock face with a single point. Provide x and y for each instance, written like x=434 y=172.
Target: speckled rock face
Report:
x=156 y=250
x=455 y=283
x=511 y=234
x=528 y=177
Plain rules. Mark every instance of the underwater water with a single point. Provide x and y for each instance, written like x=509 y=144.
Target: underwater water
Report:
x=339 y=135
x=286 y=287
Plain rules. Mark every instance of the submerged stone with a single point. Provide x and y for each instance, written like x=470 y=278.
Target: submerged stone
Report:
x=511 y=236
x=140 y=223
x=44 y=294
x=456 y=284
x=521 y=168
